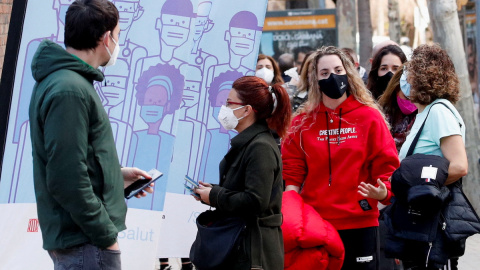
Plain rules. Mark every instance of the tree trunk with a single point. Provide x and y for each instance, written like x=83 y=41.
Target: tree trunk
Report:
x=365 y=32
x=347 y=24
x=446 y=32
x=394 y=21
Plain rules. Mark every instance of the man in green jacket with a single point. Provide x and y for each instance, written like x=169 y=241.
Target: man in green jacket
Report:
x=79 y=184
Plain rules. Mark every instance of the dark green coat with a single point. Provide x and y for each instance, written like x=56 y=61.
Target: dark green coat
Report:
x=251 y=186
x=77 y=177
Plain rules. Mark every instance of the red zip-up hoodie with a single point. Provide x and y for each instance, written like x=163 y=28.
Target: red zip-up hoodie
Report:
x=360 y=149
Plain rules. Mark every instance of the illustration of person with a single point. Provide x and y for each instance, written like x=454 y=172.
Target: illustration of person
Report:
x=159 y=93
x=240 y=37
x=173 y=27
x=189 y=136
x=130 y=11
x=60 y=7
x=113 y=91
x=22 y=177
x=217 y=140
x=199 y=57
x=203 y=24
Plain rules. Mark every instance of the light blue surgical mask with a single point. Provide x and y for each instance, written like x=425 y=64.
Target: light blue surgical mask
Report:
x=151 y=113
x=404 y=85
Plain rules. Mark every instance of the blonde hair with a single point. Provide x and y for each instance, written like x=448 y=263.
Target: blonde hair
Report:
x=309 y=78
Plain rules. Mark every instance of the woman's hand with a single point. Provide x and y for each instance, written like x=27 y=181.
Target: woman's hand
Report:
x=205 y=184
x=370 y=191
x=204 y=192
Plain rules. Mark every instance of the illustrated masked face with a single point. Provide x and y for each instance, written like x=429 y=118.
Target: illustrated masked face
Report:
x=114 y=91
x=241 y=40
x=191 y=93
x=129 y=12
x=154 y=103
x=174 y=29
x=201 y=25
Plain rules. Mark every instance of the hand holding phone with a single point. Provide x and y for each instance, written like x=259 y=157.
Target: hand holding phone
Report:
x=137 y=186
x=191 y=190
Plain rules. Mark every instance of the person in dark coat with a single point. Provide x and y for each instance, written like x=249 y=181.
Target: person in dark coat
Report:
x=251 y=183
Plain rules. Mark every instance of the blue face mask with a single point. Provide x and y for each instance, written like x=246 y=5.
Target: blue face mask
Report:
x=151 y=113
x=404 y=85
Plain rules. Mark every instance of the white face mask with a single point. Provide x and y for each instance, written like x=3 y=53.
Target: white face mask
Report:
x=114 y=55
x=227 y=119
x=265 y=74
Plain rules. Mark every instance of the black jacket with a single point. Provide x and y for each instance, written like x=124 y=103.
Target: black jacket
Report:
x=431 y=237
x=251 y=186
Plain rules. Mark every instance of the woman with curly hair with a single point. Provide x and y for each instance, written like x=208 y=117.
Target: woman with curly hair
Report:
x=400 y=111
x=339 y=155
x=385 y=63
x=432 y=78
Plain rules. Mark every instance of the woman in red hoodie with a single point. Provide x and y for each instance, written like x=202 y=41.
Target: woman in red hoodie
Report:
x=339 y=155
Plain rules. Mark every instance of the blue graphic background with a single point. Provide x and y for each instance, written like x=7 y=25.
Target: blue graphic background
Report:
x=177 y=61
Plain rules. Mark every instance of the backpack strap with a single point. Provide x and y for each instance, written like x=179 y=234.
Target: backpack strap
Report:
x=417 y=136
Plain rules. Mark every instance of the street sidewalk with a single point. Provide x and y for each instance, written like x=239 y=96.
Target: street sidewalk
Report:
x=471 y=259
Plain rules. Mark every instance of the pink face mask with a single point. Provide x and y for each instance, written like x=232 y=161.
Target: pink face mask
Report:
x=406 y=106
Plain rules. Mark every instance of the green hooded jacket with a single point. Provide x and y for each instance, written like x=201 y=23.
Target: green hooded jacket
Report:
x=77 y=176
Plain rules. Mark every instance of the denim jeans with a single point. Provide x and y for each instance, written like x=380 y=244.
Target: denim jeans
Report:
x=85 y=257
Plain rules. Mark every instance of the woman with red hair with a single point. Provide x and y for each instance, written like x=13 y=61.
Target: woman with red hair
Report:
x=251 y=183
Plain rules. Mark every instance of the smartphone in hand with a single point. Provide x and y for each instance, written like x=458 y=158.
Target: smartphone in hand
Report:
x=137 y=186
x=191 y=181
x=191 y=190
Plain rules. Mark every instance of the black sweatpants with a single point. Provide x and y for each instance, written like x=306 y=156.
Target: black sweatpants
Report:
x=361 y=248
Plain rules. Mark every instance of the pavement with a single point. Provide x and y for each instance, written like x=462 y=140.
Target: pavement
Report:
x=469 y=261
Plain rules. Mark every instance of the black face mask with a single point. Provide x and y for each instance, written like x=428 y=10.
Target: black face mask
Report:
x=382 y=83
x=335 y=86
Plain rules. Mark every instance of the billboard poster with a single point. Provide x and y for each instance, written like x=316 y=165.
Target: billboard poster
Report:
x=191 y=50
x=283 y=31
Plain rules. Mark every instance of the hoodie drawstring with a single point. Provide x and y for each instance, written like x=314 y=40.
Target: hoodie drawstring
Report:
x=329 y=157
x=328 y=144
x=339 y=125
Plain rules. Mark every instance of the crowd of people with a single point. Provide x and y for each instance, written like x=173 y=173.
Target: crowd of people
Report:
x=326 y=139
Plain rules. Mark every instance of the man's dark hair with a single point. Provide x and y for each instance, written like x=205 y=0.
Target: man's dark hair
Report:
x=86 y=22
x=303 y=49
x=286 y=62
